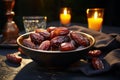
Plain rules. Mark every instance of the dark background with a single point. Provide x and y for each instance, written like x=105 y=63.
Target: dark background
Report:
x=50 y=8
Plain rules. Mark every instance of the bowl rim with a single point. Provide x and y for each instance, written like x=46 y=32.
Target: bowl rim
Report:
x=45 y=51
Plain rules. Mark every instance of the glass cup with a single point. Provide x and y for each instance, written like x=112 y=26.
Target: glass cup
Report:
x=33 y=22
x=95 y=18
x=65 y=16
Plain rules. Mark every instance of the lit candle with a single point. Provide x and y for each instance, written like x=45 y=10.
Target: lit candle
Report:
x=65 y=16
x=94 y=22
x=95 y=18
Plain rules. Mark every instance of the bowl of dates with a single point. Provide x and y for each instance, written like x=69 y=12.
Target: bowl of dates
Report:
x=55 y=46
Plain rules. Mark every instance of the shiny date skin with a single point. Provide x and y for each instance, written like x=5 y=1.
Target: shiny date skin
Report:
x=59 y=31
x=79 y=39
x=67 y=46
x=97 y=63
x=28 y=43
x=60 y=38
x=56 y=41
x=43 y=32
x=94 y=53
x=49 y=29
x=45 y=45
x=52 y=34
x=36 y=38
x=14 y=58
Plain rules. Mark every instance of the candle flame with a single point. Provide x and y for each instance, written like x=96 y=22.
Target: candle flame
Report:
x=96 y=15
x=65 y=11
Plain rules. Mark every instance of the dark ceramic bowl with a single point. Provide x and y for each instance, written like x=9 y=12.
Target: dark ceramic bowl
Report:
x=55 y=58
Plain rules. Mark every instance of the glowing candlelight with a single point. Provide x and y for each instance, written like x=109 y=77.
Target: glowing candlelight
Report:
x=65 y=16
x=96 y=15
x=95 y=23
x=95 y=19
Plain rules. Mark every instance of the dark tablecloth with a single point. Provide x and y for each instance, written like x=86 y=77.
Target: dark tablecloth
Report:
x=109 y=44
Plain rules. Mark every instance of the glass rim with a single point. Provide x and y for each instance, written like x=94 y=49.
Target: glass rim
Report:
x=34 y=17
x=95 y=8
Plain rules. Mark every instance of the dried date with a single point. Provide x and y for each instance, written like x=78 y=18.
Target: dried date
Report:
x=97 y=63
x=79 y=39
x=14 y=58
x=60 y=38
x=43 y=32
x=59 y=31
x=49 y=29
x=56 y=41
x=67 y=46
x=36 y=38
x=52 y=34
x=45 y=45
x=94 y=53
x=28 y=43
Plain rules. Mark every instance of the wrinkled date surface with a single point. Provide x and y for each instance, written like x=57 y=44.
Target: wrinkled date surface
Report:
x=97 y=63
x=94 y=53
x=67 y=46
x=14 y=58
x=79 y=39
x=56 y=38
x=56 y=41
x=36 y=38
x=45 y=45
x=28 y=43
x=43 y=32
x=60 y=31
x=49 y=29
